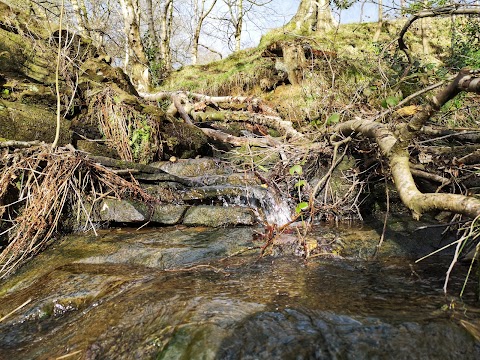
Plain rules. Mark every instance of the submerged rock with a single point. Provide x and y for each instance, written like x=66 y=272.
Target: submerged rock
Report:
x=178 y=293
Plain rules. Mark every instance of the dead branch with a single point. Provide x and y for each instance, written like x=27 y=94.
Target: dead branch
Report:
x=266 y=141
x=181 y=110
x=19 y=144
x=429 y=176
x=455 y=9
x=470 y=159
x=394 y=148
x=409 y=98
x=267 y=117
x=459 y=134
x=164 y=95
x=335 y=162
x=54 y=184
x=464 y=81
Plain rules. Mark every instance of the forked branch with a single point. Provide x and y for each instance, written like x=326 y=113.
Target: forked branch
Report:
x=393 y=146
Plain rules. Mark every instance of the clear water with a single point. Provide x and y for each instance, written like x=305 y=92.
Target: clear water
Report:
x=93 y=299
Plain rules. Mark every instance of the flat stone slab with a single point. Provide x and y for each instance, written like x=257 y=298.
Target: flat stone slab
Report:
x=216 y=216
x=121 y=211
x=125 y=211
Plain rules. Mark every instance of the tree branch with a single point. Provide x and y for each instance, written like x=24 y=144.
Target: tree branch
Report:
x=443 y=11
x=399 y=163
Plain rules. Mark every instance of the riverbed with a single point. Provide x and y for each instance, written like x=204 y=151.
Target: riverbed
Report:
x=203 y=293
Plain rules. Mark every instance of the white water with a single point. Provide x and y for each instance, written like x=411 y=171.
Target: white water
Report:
x=267 y=204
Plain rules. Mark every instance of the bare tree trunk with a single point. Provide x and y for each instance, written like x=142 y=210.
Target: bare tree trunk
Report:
x=313 y=15
x=380 y=22
x=136 y=62
x=165 y=33
x=151 y=24
x=362 y=8
x=238 y=26
x=324 y=16
x=201 y=14
x=80 y=13
x=168 y=52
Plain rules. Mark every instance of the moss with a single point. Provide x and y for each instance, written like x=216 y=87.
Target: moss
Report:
x=239 y=72
x=183 y=140
x=94 y=148
x=30 y=122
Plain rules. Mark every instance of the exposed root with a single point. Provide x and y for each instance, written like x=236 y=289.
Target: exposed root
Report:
x=134 y=136
x=45 y=182
x=256 y=112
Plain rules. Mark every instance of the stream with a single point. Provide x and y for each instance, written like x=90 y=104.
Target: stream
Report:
x=203 y=293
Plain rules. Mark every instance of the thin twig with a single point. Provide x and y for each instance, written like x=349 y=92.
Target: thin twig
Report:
x=57 y=81
x=408 y=98
x=15 y=310
x=384 y=230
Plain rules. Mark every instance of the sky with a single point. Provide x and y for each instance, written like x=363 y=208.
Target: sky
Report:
x=285 y=9
x=276 y=14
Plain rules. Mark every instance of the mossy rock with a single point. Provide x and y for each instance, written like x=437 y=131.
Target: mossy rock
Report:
x=94 y=148
x=217 y=216
x=193 y=167
x=184 y=140
x=30 y=122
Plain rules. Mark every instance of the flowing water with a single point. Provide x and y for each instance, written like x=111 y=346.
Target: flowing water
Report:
x=199 y=293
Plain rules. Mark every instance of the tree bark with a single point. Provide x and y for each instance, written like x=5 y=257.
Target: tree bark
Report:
x=166 y=21
x=238 y=26
x=380 y=22
x=136 y=62
x=201 y=14
x=80 y=13
x=152 y=34
x=313 y=15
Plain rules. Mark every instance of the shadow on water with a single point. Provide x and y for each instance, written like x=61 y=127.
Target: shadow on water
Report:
x=92 y=303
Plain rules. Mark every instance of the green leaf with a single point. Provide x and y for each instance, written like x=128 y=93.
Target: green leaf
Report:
x=333 y=119
x=263 y=168
x=300 y=183
x=391 y=101
x=301 y=206
x=296 y=169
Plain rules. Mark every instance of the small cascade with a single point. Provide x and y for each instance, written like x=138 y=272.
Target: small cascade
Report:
x=268 y=206
x=271 y=206
x=223 y=192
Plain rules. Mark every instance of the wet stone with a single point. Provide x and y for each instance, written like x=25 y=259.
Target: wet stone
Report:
x=168 y=214
x=121 y=211
x=192 y=167
x=216 y=216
